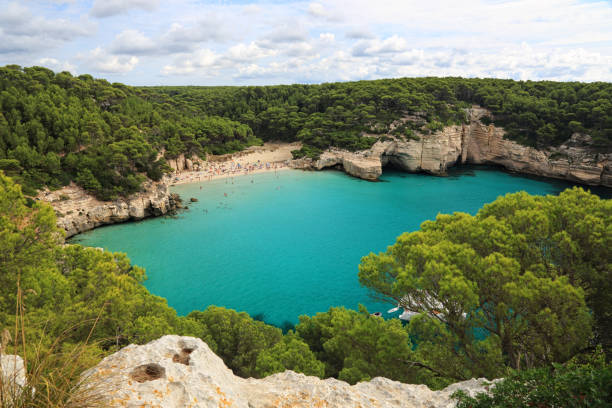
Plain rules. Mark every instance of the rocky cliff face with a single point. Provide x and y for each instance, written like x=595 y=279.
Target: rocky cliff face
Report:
x=78 y=211
x=182 y=163
x=474 y=143
x=181 y=372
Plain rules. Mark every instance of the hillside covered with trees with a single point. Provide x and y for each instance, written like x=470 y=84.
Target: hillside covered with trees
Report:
x=55 y=127
x=107 y=137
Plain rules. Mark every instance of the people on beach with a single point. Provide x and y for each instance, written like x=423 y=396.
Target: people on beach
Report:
x=228 y=169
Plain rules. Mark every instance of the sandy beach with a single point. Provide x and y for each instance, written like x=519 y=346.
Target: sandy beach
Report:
x=271 y=157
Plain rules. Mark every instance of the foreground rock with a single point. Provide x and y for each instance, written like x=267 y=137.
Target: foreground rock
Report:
x=78 y=211
x=179 y=371
x=474 y=143
x=12 y=376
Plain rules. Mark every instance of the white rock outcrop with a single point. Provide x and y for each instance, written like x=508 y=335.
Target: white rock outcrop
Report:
x=473 y=143
x=12 y=376
x=182 y=163
x=176 y=371
x=78 y=211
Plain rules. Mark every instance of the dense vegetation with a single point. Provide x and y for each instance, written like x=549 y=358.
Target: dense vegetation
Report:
x=337 y=114
x=515 y=286
x=531 y=274
x=107 y=137
x=575 y=384
x=55 y=128
x=523 y=285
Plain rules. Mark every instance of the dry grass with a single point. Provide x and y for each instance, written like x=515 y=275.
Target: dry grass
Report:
x=53 y=376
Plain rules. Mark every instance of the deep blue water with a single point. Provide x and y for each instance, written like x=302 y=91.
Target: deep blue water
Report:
x=288 y=245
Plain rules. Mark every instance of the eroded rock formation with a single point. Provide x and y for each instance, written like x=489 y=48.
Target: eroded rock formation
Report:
x=474 y=143
x=176 y=371
x=78 y=211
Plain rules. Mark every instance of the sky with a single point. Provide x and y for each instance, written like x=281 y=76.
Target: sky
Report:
x=216 y=42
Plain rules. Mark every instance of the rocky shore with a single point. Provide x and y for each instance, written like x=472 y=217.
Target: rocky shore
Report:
x=78 y=211
x=176 y=371
x=472 y=143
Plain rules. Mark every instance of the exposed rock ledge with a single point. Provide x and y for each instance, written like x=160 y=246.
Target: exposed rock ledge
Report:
x=176 y=371
x=473 y=143
x=78 y=211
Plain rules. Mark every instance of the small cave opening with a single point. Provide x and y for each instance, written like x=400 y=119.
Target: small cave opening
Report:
x=148 y=372
x=390 y=164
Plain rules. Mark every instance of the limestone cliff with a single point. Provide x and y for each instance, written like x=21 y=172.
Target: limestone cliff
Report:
x=78 y=211
x=176 y=371
x=473 y=143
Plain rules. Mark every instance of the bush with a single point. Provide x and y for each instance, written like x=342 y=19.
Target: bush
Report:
x=307 y=151
x=560 y=386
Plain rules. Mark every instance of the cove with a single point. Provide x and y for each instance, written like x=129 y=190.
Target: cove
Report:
x=282 y=245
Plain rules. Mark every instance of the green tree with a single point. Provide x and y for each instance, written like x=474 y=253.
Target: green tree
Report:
x=291 y=353
x=28 y=240
x=235 y=337
x=490 y=289
x=358 y=347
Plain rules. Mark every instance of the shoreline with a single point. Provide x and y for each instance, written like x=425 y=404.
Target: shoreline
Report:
x=78 y=211
x=191 y=177
x=254 y=160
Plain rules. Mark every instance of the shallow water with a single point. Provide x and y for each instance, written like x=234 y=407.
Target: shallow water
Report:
x=280 y=246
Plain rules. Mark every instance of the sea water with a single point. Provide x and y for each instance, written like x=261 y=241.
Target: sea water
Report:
x=280 y=245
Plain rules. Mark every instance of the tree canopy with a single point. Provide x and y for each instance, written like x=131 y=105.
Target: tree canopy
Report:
x=513 y=286
x=107 y=137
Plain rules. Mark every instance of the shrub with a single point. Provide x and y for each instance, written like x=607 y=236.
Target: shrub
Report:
x=560 y=386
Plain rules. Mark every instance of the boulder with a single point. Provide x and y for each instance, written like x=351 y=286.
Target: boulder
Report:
x=12 y=375
x=176 y=371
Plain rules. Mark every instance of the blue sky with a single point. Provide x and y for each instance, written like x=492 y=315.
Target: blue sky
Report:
x=216 y=42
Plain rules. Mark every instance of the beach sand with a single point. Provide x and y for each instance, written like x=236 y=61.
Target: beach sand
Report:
x=268 y=158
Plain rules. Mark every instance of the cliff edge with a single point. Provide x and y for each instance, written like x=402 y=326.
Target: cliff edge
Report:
x=176 y=371
x=473 y=143
x=77 y=211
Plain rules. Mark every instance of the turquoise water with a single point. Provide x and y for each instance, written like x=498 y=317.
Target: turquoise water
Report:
x=289 y=244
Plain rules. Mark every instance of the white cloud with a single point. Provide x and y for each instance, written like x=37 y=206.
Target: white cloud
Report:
x=22 y=33
x=57 y=65
x=210 y=28
x=248 y=52
x=317 y=9
x=177 y=39
x=201 y=62
x=393 y=44
x=300 y=49
x=133 y=42
x=100 y=61
x=359 y=33
x=251 y=9
x=108 y=8
x=320 y=11
x=224 y=42
x=287 y=33
x=327 y=38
